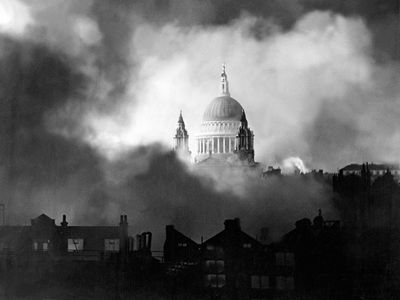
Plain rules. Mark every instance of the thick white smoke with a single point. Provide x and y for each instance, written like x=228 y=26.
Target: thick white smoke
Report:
x=282 y=79
x=294 y=165
x=14 y=17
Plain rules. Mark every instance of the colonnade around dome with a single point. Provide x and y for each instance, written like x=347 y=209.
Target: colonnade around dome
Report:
x=216 y=144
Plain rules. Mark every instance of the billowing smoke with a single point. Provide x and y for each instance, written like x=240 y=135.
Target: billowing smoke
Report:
x=307 y=92
x=90 y=95
x=294 y=165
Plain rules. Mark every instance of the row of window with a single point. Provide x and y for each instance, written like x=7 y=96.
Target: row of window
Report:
x=217 y=248
x=215 y=280
x=373 y=172
x=215 y=266
x=282 y=258
x=43 y=246
x=257 y=281
x=264 y=282
x=74 y=245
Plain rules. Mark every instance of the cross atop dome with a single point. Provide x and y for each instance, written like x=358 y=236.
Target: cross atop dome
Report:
x=224 y=82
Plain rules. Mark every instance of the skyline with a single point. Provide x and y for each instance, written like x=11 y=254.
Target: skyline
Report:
x=83 y=82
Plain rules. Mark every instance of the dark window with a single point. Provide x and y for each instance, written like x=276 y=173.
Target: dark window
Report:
x=259 y=282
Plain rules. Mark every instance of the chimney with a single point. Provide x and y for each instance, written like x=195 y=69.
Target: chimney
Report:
x=64 y=222
x=149 y=236
x=170 y=244
x=144 y=240
x=138 y=242
x=169 y=229
x=232 y=224
x=123 y=233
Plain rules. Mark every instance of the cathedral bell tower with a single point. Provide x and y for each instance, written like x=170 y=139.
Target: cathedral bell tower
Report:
x=181 y=137
x=245 y=141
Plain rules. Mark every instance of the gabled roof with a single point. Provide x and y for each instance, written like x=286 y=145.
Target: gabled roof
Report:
x=220 y=238
x=43 y=219
x=181 y=237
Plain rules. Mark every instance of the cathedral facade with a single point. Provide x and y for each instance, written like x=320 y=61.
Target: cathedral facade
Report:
x=225 y=137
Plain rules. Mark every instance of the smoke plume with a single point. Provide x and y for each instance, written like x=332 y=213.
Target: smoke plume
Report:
x=91 y=91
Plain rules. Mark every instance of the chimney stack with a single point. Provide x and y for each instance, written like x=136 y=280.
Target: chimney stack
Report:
x=123 y=233
x=64 y=222
x=232 y=224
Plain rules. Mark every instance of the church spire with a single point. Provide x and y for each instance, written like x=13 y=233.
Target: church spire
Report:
x=180 y=120
x=243 y=120
x=181 y=137
x=245 y=140
x=224 y=83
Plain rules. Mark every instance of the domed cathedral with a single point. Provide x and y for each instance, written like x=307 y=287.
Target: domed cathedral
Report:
x=224 y=138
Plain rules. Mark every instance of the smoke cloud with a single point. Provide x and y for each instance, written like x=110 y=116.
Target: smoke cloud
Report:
x=90 y=95
x=285 y=80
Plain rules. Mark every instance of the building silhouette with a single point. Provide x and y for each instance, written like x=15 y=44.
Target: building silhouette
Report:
x=229 y=265
x=75 y=259
x=375 y=170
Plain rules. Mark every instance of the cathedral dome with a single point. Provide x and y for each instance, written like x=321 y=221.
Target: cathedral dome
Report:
x=223 y=108
x=224 y=132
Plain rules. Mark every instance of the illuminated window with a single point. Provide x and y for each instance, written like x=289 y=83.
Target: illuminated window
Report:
x=215 y=266
x=75 y=245
x=35 y=246
x=247 y=245
x=215 y=280
x=182 y=245
x=111 y=245
x=45 y=246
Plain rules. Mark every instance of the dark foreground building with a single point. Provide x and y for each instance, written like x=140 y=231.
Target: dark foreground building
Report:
x=369 y=205
x=45 y=260
x=308 y=263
